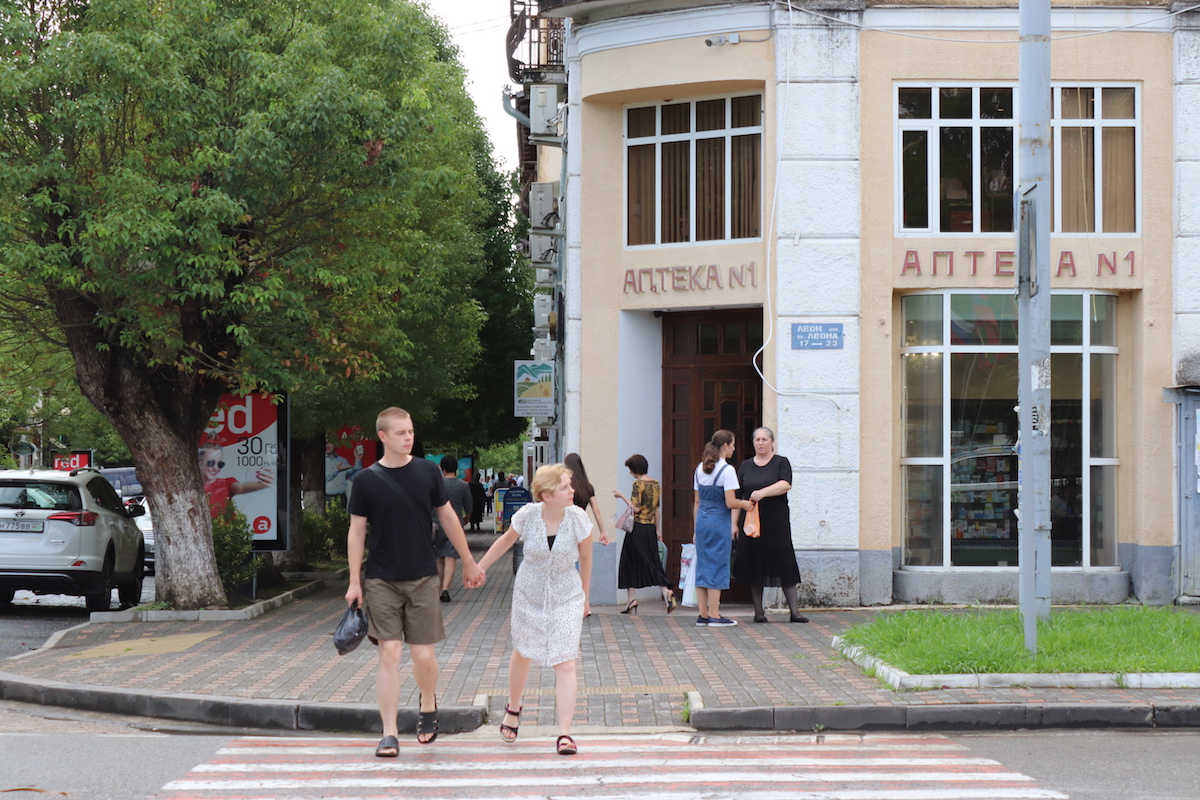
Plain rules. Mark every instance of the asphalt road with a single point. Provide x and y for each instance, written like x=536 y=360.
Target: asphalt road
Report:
x=31 y=619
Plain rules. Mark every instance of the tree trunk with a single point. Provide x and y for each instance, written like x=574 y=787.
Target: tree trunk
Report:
x=160 y=412
x=310 y=455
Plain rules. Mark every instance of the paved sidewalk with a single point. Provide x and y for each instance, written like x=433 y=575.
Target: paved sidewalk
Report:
x=652 y=671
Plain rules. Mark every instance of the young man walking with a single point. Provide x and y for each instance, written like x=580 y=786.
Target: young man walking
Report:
x=398 y=586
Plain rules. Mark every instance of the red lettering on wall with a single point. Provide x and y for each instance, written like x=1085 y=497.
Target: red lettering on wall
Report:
x=911 y=261
x=949 y=256
x=1102 y=262
x=1129 y=258
x=737 y=274
x=1066 y=260
x=714 y=276
x=694 y=278
x=1004 y=262
x=631 y=282
x=974 y=256
x=650 y=273
x=662 y=273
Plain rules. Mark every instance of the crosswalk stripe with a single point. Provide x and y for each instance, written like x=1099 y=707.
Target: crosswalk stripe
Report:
x=668 y=767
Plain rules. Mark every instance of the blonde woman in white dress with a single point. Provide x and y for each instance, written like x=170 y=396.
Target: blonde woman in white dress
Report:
x=549 y=596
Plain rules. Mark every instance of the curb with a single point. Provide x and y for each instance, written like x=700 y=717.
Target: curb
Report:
x=221 y=615
x=947 y=717
x=228 y=711
x=902 y=681
x=290 y=715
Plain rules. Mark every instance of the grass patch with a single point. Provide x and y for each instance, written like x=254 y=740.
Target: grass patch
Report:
x=327 y=565
x=1114 y=640
x=265 y=593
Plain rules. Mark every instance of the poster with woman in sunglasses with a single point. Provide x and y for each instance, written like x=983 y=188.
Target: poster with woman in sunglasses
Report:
x=220 y=490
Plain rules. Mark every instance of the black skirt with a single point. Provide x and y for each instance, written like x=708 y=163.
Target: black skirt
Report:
x=639 y=559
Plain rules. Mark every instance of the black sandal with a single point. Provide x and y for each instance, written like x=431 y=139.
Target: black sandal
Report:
x=388 y=747
x=427 y=723
x=507 y=729
x=565 y=746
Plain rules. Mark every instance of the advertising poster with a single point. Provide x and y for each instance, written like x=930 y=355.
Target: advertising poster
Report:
x=348 y=453
x=243 y=461
x=533 y=389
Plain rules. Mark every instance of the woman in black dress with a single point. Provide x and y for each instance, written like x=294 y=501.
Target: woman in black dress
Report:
x=767 y=560
x=478 y=501
x=640 y=565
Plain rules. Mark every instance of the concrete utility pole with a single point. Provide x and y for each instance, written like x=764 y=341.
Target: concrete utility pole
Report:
x=1034 y=204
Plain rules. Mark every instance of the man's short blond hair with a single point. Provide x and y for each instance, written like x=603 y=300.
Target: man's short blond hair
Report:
x=547 y=478
x=388 y=416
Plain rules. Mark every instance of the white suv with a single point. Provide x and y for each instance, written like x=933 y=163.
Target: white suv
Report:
x=69 y=533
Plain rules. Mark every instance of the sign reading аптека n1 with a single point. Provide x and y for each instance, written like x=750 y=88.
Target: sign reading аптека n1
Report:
x=817 y=336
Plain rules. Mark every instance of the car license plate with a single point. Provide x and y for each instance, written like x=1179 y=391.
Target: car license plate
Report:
x=21 y=525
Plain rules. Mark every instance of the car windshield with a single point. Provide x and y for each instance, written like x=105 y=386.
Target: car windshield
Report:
x=39 y=494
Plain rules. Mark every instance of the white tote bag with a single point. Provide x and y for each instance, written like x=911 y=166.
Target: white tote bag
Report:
x=687 y=574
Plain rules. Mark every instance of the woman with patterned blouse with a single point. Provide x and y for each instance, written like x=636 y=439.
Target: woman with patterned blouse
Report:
x=640 y=565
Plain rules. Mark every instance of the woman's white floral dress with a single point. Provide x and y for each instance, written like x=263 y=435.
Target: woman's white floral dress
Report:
x=547 y=607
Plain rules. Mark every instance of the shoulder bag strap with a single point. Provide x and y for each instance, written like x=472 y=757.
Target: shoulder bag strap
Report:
x=405 y=497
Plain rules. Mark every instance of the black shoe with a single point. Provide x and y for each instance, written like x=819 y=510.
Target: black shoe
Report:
x=797 y=618
x=445 y=596
x=761 y=618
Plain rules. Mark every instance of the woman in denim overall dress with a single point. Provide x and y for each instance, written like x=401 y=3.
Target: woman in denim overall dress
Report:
x=716 y=488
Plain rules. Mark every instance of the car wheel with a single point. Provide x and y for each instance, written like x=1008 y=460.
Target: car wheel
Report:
x=130 y=593
x=101 y=601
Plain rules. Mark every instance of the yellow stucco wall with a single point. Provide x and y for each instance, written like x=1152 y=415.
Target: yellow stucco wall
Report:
x=1146 y=474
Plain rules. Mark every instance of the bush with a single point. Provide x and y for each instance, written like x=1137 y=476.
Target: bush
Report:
x=318 y=540
x=325 y=534
x=232 y=542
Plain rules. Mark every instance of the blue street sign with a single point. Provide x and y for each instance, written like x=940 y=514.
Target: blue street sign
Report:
x=817 y=336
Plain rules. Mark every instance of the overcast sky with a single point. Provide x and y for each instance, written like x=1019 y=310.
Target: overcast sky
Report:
x=478 y=28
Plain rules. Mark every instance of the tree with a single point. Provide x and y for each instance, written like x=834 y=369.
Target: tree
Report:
x=212 y=195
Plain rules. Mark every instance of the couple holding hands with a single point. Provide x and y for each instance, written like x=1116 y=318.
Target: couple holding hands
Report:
x=399 y=588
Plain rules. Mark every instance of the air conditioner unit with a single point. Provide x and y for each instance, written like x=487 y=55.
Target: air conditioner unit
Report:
x=543 y=205
x=543 y=110
x=542 y=249
x=545 y=276
x=544 y=349
x=543 y=307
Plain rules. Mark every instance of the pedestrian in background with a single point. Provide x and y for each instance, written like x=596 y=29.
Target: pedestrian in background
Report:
x=479 y=501
x=459 y=495
x=585 y=493
x=393 y=501
x=549 y=596
x=768 y=558
x=640 y=563
x=716 y=488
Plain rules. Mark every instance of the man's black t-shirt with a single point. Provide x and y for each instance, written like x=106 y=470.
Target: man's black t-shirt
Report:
x=399 y=544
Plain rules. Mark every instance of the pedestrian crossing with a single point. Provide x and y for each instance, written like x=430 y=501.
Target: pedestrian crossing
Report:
x=609 y=767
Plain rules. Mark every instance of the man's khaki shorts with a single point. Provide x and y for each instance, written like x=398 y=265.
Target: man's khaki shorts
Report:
x=407 y=610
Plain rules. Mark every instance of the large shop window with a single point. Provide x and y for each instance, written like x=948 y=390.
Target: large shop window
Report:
x=694 y=171
x=957 y=158
x=959 y=373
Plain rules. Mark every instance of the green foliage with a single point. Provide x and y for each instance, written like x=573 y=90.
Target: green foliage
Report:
x=504 y=457
x=232 y=542
x=1119 y=639
x=325 y=534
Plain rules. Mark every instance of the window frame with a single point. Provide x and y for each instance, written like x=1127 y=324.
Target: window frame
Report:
x=658 y=139
x=946 y=460
x=934 y=123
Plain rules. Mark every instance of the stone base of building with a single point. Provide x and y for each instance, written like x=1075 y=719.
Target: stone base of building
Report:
x=972 y=586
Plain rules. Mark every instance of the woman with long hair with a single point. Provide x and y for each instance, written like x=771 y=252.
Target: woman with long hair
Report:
x=716 y=488
x=640 y=565
x=767 y=559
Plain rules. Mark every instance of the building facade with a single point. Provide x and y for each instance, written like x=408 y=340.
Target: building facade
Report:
x=800 y=215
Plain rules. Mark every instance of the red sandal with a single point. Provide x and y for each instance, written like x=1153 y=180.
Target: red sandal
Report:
x=565 y=746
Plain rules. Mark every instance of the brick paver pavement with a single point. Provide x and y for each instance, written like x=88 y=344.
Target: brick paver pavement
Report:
x=635 y=670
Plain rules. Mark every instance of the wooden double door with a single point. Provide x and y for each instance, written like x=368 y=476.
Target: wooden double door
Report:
x=709 y=383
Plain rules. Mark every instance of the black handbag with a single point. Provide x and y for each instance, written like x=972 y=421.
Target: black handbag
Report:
x=351 y=630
